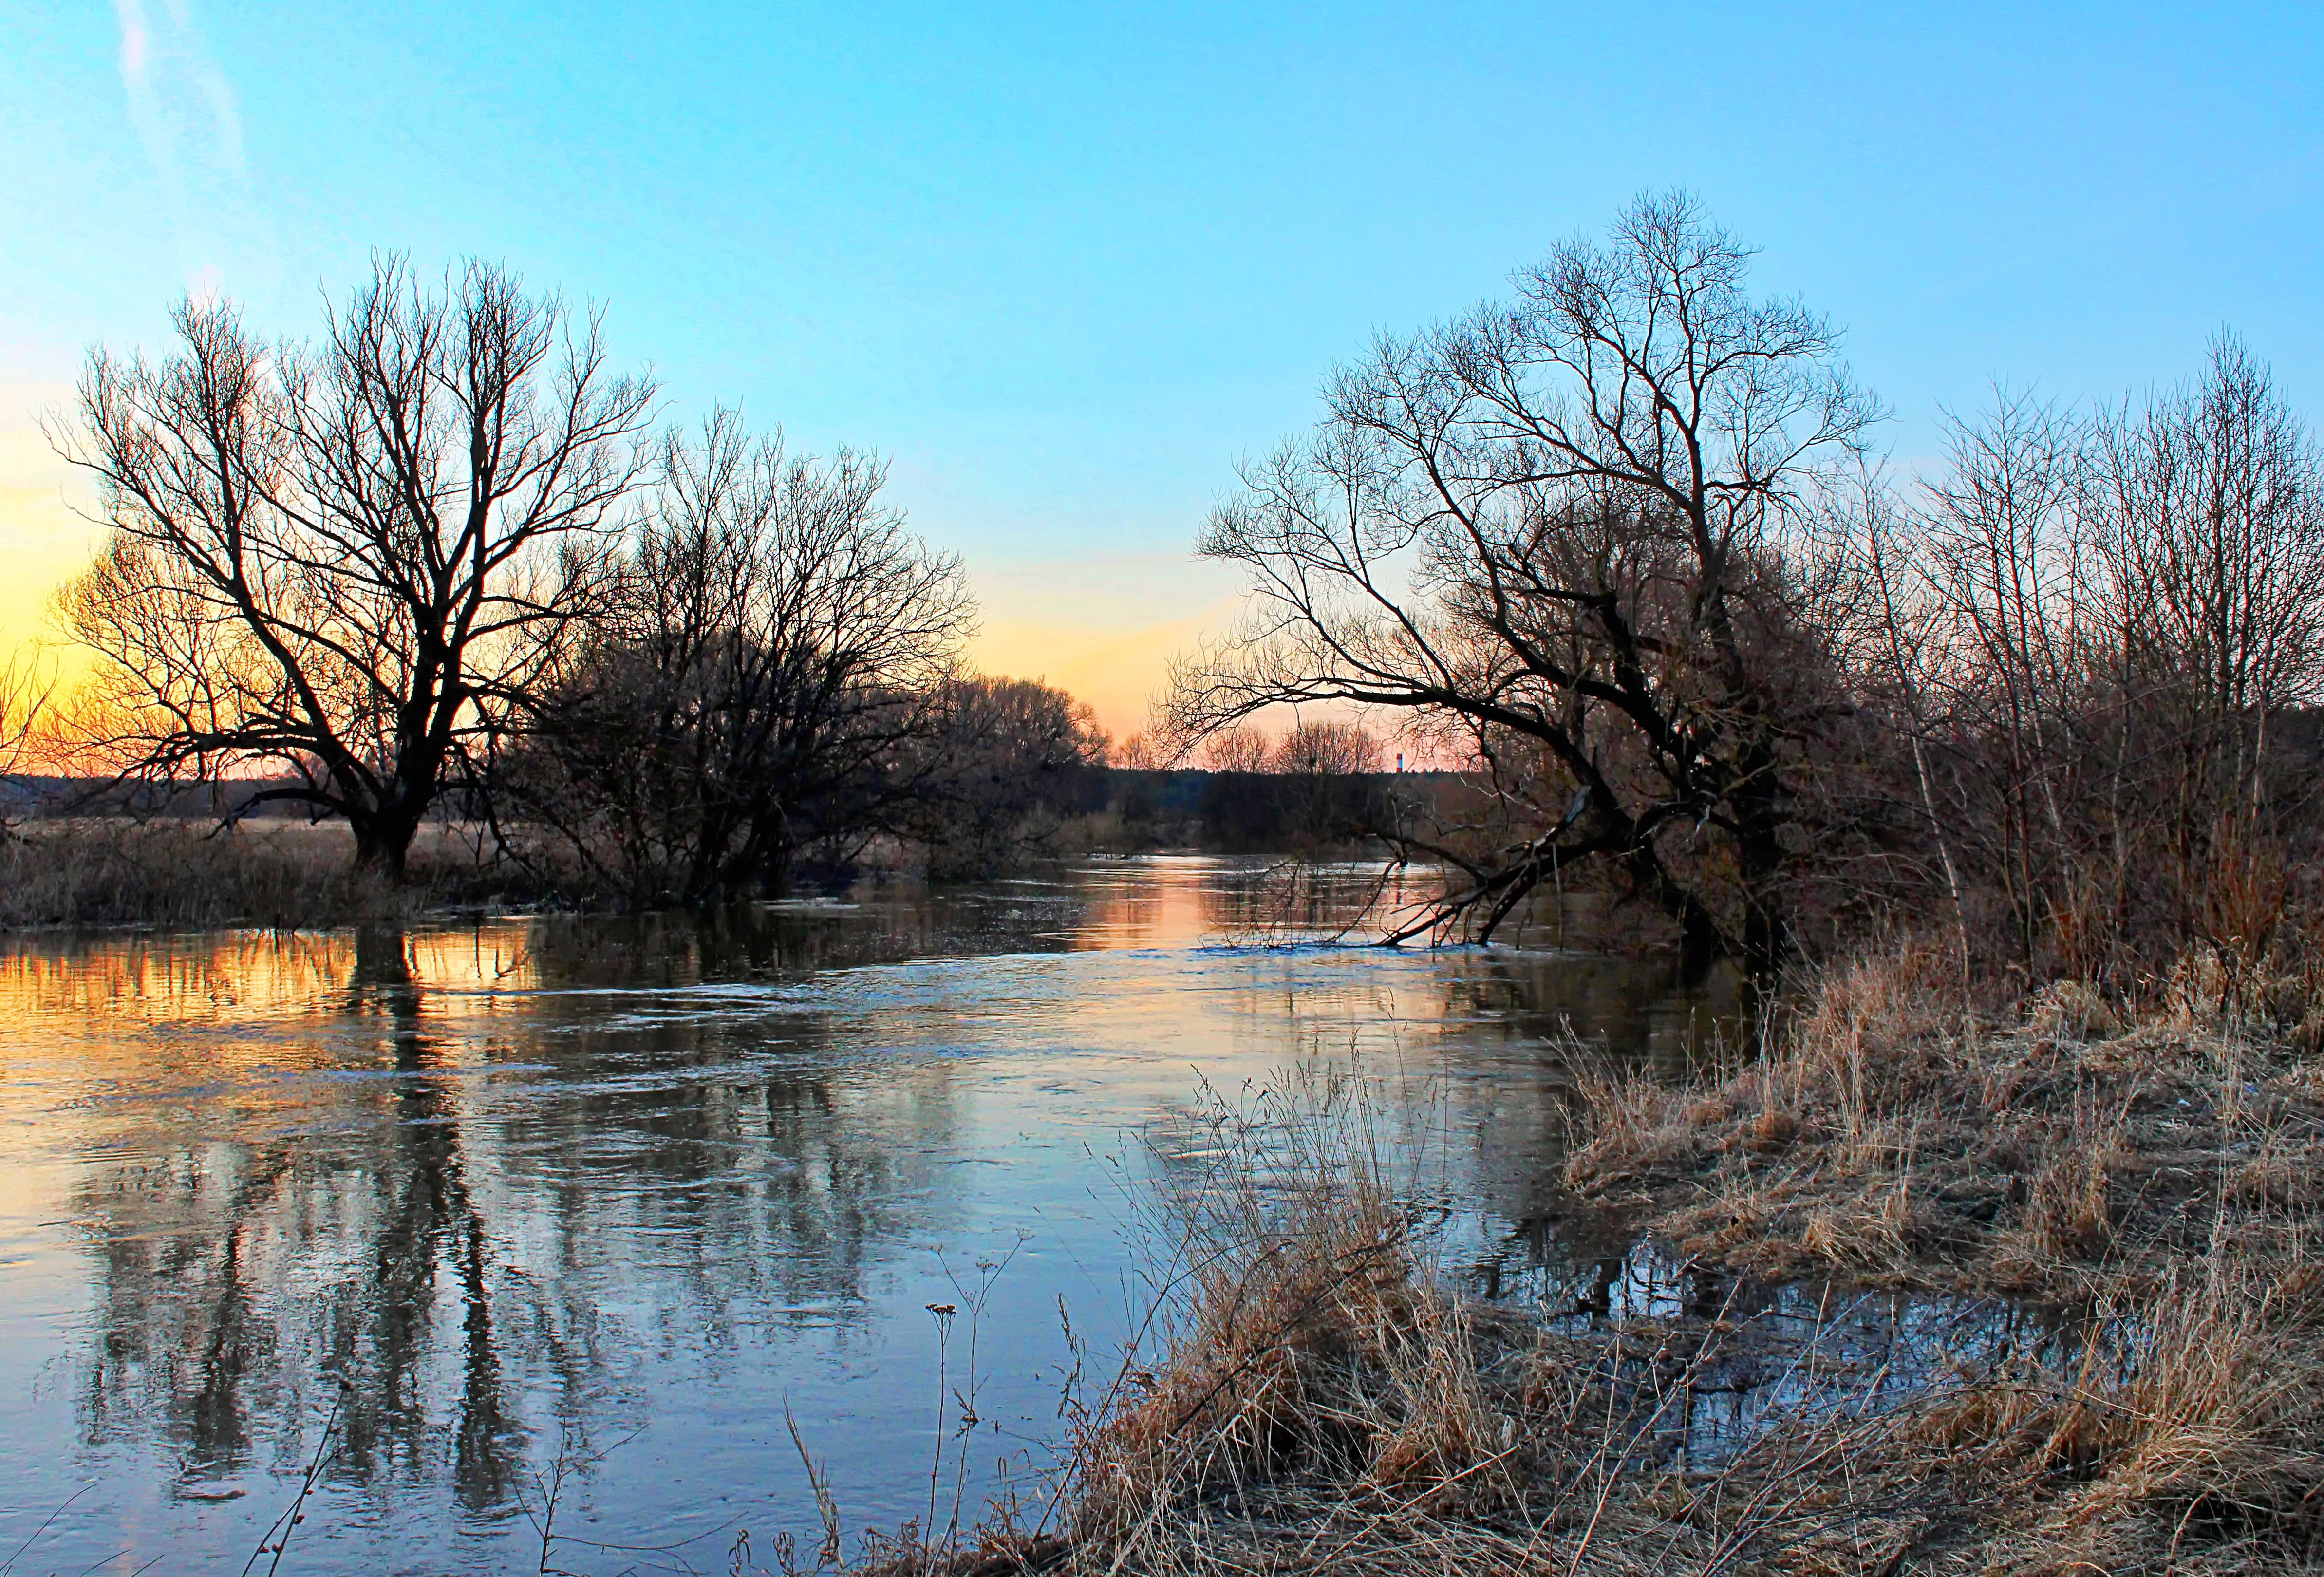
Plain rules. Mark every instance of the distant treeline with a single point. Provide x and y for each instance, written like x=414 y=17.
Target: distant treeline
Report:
x=1086 y=809
x=1258 y=813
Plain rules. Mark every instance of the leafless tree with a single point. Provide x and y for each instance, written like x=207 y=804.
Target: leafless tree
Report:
x=1009 y=760
x=1563 y=530
x=2100 y=625
x=773 y=659
x=1142 y=752
x=2205 y=524
x=346 y=564
x=2001 y=644
x=1325 y=748
x=1236 y=748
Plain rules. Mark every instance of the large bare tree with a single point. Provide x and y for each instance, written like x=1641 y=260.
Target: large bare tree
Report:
x=343 y=564
x=1560 y=535
x=772 y=663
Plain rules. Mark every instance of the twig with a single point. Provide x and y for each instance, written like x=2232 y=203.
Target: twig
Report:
x=279 y=1530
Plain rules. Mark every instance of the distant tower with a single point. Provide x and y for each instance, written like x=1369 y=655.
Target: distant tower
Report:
x=1399 y=760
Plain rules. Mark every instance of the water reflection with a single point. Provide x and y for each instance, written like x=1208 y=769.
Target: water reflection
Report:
x=527 y=1187
x=1726 y=1358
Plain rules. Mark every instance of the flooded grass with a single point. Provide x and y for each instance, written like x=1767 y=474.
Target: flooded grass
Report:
x=1893 y=1136
x=177 y=873
x=1919 y=1291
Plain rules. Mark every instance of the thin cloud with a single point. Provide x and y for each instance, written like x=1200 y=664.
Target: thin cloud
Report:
x=183 y=106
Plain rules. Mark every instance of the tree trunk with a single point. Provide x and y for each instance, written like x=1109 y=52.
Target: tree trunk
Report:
x=383 y=842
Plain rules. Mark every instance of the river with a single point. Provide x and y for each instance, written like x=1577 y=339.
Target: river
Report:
x=481 y=1211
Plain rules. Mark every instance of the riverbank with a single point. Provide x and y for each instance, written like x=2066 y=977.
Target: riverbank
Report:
x=196 y=871
x=270 y=872
x=2141 y=1194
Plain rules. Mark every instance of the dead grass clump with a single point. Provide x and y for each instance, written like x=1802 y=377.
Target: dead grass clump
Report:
x=1888 y=1134
x=1304 y=1341
x=2220 y=1415
x=2181 y=1436
x=1323 y=1401
x=2071 y=1010
x=2067 y=1182
x=1634 y=1123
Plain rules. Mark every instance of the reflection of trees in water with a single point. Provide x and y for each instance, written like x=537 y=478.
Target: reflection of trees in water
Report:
x=380 y=1325
x=1302 y=897
x=467 y=1260
x=1476 y=1059
x=179 y=977
x=1642 y=1012
x=878 y=925
x=649 y=1183
x=1512 y=1023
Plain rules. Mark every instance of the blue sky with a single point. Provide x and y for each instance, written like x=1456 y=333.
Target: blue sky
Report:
x=1065 y=264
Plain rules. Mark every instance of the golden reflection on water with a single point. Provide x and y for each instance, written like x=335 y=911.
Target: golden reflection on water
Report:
x=245 y=973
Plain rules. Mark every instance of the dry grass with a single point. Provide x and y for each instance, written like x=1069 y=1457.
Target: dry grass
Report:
x=1319 y=1399
x=178 y=873
x=1895 y=1136
x=1323 y=1401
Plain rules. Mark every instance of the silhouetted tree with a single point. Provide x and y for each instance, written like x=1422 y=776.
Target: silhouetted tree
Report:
x=1325 y=748
x=771 y=664
x=1556 y=534
x=346 y=564
x=1011 y=759
x=1236 y=748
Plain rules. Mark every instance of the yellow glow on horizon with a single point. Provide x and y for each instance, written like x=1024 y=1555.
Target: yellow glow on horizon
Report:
x=45 y=541
x=1103 y=629
x=1116 y=672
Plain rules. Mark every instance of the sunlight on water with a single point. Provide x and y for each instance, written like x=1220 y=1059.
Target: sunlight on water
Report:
x=618 y=1191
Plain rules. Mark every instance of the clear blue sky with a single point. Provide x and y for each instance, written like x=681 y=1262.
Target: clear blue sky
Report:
x=1064 y=263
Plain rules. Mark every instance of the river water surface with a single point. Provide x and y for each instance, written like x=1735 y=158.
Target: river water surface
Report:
x=484 y=1209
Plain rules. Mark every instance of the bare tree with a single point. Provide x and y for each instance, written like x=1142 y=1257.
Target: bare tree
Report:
x=1561 y=530
x=2203 y=599
x=1011 y=760
x=2206 y=527
x=1897 y=667
x=774 y=658
x=2101 y=626
x=346 y=564
x=2003 y=647
x=2043 y=626
x=1236 y=748
x=1325 y=747
x=1142 y=752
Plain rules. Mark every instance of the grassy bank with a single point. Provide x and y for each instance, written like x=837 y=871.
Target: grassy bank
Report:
x=1894 y=1137
x=1323 y=1401
x=178 y=873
